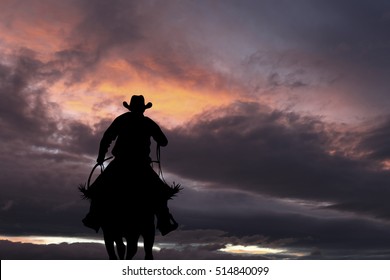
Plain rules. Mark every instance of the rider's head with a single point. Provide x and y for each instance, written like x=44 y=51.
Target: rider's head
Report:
x=137 y=104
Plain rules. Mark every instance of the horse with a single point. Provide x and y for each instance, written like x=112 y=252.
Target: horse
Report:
x=129 y=220
x=125 y=206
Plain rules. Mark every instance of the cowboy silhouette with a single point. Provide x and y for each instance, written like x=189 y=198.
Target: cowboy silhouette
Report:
x=129 y=188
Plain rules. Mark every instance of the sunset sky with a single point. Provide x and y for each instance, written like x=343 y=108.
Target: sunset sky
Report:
x=276 y=113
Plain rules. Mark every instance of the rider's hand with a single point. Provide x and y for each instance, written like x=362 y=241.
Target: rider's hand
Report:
x=100 y=160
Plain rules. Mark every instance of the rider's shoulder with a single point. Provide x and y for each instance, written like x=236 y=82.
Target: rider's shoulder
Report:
x=149 y=121
x=123 y=116
x=128 y=116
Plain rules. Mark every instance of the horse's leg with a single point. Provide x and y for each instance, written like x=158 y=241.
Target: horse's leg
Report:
x=132 y=245
x=120 y=247
x=148 y=236
x=109 y=242
x=115 y=234
x=148 y=246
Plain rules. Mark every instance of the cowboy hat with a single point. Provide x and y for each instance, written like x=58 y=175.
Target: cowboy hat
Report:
x=137 y=103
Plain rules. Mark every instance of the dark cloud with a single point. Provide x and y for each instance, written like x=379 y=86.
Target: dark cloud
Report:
x=24 y=107
x=44 y=157
x=30 y=123
x=102 y=30
x=329 y=45
x=296 y=233
x=108 y=25
x=319 y=26
x=338 y=238
x=140 y=33
x=375 y=141
x=279 y=154
x=75 y=64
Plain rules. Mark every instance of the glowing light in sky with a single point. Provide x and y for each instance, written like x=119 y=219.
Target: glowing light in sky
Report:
x=45 y=240
x=252 y=250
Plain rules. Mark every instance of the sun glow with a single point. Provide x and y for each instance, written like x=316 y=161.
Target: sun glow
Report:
x=46 y=240
x=251 y=250
x=385 y=165
x=257 y=250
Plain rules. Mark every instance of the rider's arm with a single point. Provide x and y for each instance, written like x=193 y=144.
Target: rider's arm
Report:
x=108 y=136
x=158 y=135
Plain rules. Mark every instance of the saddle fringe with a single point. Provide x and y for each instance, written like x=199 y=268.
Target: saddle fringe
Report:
x=170 y=192
x=174 y=189
x=85 y=194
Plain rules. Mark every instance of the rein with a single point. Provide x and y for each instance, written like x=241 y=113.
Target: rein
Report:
x=93 y=169
x=158 y=161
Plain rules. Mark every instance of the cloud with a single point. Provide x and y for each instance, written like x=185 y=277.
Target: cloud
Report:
x=25 y=106
x=375 y=141
x=93 y=251
x=44 y=156
x=26 y=251
x=108 y=25
x=315 y=239
x=276 y=153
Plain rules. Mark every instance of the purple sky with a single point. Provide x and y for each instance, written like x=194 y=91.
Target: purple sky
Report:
x=276 y=114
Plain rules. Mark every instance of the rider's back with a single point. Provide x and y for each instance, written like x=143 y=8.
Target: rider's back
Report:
x=133 y=133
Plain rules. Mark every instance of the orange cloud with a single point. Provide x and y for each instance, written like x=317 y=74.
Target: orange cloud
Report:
x=114 y=81
x=180 y=84
x=41 y=26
